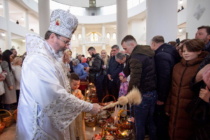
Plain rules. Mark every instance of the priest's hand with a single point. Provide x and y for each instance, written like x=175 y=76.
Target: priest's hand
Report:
x=96 y=108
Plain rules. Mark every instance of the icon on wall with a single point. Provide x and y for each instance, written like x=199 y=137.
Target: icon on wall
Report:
x=199 y=12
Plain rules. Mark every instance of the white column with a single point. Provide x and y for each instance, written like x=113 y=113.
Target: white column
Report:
x=27 y=20
x=74 y=52
x=84 y=51
x=122 y=20
x=161 y=19
x=8 y=32
x=103 y=37
x=44 y=16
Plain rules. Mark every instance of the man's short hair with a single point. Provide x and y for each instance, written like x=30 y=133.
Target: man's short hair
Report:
x=74 y=76
x=115 y=47
x=75 y=61
x=12 y=49
x=48 y=33
x=120 y=56
x=91 y=48
x=205 y=27
x=158 y=39
x=128 y=38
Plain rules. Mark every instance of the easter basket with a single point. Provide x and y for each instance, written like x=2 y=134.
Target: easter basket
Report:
x=103 y=103
x=124 y=122
x=15 y=115
x=2 y=126
x=6 y=117
x=90 y=120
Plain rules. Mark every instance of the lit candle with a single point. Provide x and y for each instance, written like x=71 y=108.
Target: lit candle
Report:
x=124 y=133
x=115 y=119
x=94 y=129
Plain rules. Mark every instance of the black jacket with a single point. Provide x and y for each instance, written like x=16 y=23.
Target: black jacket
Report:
x=114 y=68
x=97 y=64
x=166 y=56
x=142 y=69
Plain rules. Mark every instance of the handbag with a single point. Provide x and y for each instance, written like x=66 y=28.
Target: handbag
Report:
x=199 y=110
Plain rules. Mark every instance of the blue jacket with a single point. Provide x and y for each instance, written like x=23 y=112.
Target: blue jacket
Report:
x=79 y=70
x=85 y=64
x=114 y=68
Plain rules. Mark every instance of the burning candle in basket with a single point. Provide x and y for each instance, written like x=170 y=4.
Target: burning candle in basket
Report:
x=124 y=133
x=115 y=119
x=94 y=129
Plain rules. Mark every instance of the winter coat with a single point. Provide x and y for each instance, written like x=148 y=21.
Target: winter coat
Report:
x=166 y=56
x=180 y=125
x=96 y=68
x=97 y=63
x=207 y=47
x=141 y=66
x=114 y=69
x=2 y=91
x=10 y=95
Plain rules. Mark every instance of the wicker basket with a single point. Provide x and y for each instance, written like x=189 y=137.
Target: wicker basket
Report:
x=2 y=126
x=7 y=117
x=124 y=125
x=123 y=138
x=91 y=123
x=15 y=115
x=105 y=97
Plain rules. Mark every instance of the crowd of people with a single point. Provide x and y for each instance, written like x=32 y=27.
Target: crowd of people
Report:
x=173 y=80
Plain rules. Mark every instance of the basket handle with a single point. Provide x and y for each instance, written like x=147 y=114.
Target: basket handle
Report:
x=108 y=96
x=6 y=111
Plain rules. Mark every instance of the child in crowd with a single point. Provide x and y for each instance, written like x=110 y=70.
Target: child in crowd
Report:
x=181 y=126
x=77 y=127
x=124 y=84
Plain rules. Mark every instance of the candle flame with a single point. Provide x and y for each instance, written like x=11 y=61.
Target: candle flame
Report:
x=94 y=129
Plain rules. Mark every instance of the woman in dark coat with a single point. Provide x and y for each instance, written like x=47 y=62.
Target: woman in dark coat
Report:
x=180 y=125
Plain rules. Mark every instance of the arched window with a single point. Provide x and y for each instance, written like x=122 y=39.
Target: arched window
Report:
x=79 y=36
x=108 y=35
x=114 y=36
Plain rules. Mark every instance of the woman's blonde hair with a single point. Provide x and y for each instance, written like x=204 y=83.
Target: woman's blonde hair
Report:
x=106 y=58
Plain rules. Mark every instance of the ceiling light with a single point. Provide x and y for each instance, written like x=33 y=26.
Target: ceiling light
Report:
x=180 y=30
x=181 y=1
x=3 y=34
x=23 y=41
x=1 y=6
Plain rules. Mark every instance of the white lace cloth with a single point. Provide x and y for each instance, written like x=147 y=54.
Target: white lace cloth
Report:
x=45 y=109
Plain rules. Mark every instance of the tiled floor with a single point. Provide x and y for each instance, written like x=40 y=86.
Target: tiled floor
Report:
x=8 y=133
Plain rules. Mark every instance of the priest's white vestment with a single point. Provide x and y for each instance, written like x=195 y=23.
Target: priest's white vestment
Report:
x=45 y=108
